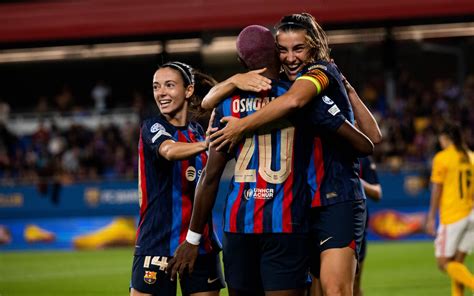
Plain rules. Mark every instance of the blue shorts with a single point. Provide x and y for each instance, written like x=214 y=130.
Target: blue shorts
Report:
x=254 y=263
x=148 y=276
x=363 y=246
x=336 y=226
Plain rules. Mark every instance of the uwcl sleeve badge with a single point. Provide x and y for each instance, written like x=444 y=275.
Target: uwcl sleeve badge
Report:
x=150 y=277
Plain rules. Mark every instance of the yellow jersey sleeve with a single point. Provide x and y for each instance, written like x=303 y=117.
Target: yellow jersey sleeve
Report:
x=439 y=170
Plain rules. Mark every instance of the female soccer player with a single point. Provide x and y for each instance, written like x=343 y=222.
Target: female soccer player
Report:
x=452 y=195
x=172 y=154
x=338 y=199
x=266 y=222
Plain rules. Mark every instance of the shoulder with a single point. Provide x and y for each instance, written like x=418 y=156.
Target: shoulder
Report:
x=441 y=156
x=321 y=65
x=156 y=126
x=224 y=107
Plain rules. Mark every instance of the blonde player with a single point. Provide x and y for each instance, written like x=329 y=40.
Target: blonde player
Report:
x=452 y=194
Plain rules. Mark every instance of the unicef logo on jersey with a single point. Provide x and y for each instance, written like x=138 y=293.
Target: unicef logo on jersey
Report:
x=157 y=127
x=248 y=193
x=259 y=193
x=327 y=100
x=191 y=174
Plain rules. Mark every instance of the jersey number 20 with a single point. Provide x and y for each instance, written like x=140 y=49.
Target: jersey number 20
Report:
x=244 y=174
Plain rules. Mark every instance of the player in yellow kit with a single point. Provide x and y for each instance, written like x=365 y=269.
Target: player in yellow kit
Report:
x=452 y=194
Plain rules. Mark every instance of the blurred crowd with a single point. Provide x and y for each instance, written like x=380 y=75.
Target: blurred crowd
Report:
x=73 y=154
x=409 y=122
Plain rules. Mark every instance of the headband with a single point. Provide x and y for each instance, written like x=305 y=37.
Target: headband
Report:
x=294 y=24
x=188 y=75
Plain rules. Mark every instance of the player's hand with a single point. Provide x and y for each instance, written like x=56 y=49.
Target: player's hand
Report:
x=252 y=81
x=210 y=130
x=229 y=136
x=430 y=226
x=183 y=259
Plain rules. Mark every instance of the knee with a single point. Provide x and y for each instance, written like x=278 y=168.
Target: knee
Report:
x=337 y=288
x=442 y=262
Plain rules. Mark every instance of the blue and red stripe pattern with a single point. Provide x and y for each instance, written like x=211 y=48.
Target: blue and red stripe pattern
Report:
x=333 y=174
x=166 y=190
x=269 y=192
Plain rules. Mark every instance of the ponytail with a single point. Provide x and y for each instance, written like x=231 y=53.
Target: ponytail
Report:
x=202 y=85
x=454 y=132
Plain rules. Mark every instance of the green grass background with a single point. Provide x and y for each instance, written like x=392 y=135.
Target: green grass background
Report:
x=394 y=268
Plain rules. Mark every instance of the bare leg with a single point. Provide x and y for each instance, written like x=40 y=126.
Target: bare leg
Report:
x=338 y=268
x=358 y=277
x=316 y=289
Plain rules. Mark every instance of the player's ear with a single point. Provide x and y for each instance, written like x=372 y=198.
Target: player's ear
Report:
x=189 y=91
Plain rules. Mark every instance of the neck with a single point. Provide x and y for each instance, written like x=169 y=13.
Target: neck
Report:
x=271 y=72
x=180 y=118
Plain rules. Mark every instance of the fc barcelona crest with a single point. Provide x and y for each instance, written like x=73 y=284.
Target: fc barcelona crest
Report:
x=150 y=277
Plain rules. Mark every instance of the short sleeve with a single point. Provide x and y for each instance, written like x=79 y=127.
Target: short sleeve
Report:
x=438 y=172
x=369 y=173
x=154 y=133
x=326 y=114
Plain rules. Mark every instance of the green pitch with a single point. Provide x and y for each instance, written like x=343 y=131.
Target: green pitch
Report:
x=391 y=269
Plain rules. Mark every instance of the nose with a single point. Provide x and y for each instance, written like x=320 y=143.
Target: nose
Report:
x=290 y=56
x=160 y=91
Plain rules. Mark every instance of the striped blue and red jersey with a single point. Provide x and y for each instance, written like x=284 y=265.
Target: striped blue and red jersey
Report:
x=333 y=173
x=268 y=192
x=166 y=189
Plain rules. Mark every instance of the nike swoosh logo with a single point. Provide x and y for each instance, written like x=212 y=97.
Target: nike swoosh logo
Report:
x=323 y=241
x=209 y=281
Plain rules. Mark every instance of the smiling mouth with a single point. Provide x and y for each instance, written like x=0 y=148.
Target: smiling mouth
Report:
x=294 y=69
x=164 y=103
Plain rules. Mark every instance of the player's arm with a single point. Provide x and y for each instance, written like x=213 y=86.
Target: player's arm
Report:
x=204 y=199
x=300 y=93
x=358 y=141
x=436 y=190
x=324 y=115
x=250 y=81
x=172 y=150
x=364 y=118
x=373 y=191
x=370 y=180
x=438 y=174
